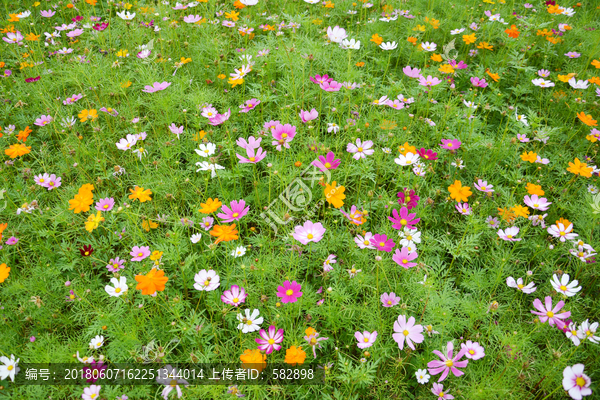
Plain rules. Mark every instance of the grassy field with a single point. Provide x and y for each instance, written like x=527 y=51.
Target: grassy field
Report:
x=349 y=185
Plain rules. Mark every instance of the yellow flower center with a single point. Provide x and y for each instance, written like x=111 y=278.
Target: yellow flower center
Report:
x=536 y=205
x=562 y=233
x=580 y=381
x=483 y=188
x=449 y=144
x=249 y=322
x=382 y=244
x=360 y=149
x=140 y=254
x=353 y=270
x=173 y=383
x=235 y=215
x=366 y=242
x=118 y=290
x=99 y=344
x=87 y=253
x=289 y=292
x=389 y=302
x=252 y=158
x=471 y=352
x=313 y=341
x=72 y=296
x=405 y=332
x=403 y=221
x=309 y=236
x=236 y=300
x=550 y=314
x=271 y=341
x=563 y=288
x=284 y=135
x=509 y=236
x=404 y=261
x=206 y=282
x=42 y=180
x=366 y=340
x=10 y=367
x=449 y=363
x=520 y=286
x=327 y=165
x=588 y=332
x=408 y=237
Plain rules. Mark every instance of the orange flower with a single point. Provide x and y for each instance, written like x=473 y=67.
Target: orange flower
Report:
x=224 y=233
x=513 y=32
x=13 y=18
x=84 y=115
x=554 y=9
x=335 y=195
x=210 y=206
x=520 y=211
x=495 y=77
x=81 y=202
x=566 y=223
x=594 y=80
x=329 y=4
x=2 y=228
x=485 y=45
x=4 y=271
x=311 y=331
x=295 y=355
x=17 y=150
x=140 y=194
x=446 y=69
x=587 y=119
x=535 y=189
x=579 y=168
x=507 y=214
x=152 y=282
x=376 y=39
x=459 y=192
x=360 y=64
x=544 y=32
x=253 y=359
x=436 y=58
x=32 y=37
x=596 y=63
x=554 y=40
x=413 y=40
x=149 y=224
x=91 y=2
x=531 y=156
x=232 y=15
x=238 y=4
x=468 y=39
x=24 y=134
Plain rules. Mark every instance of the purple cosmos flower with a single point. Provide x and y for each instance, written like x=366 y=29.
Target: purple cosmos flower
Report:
x=404 y=257
x=12 y=241
x=270 y=340
x=450 y=144
x=318 y=79
x=365 y=339
x=289 y=292
x=72 y=99
x=447 y=362
x=411 y=72
x=156 y=87
x=207 y=223
x=72 y=296
x=253 y=155
x=389 y=300
x=306 y=116
x=406 y=330
x=249 y=105
x=438 y=390
x=283 y=135
x=537 y=203
x=94 y=371
x=139 y=253
x=115 y=264
x=404 y=220
x=458 y=65
x=478 y=82
x=427 y=154
x=492 y=222
x=309 y=232
x=573 y=54
x=547 y=313
x=105 y=204
x=235 y=296
x=382 y=243
x=483 y=186
x=43 y=120
x=236 y=212
x=327 y=162
x=474 y=350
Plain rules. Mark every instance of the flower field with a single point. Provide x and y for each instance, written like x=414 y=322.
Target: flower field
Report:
x=401 y=195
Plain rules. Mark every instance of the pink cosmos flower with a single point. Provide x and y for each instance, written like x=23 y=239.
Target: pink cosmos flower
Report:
x=463 y=208
x=332 y=86
x=575 y=382
x=283 y=135
x=478 y=82
x=318 y=79
x=13 y=37
x=547 y=313
x=406 y=330
x=336 y=34
x=249 y=105
x=254 y=155
x=12 y=241
x=427 y=154
x=382 y=243
x=236 y=212
x=327 y=162
x=409 y=198
x=220 y=118
x=474 y=350
x=75 y=33
x=207 y=223
x=72 y=99
x=139 y=253
x=537 y=203
x=483 y=186
x=234 y=296
x=389 y=300
x=429 y=81
x=447 y=362
x=438 y=390
x=450 y=144
x=43 y=120
x=411 y=72
x=365 y=339
x=509 y=234
x=115 y=264
x=518 y=284
x=106 y=204
x=42 y=179
x=309 y=232
x=110 y=111
x=327 y=263
x=458 y=65
x=289 y=292
x=53 y=182
x=403 y=258
x=270 y=340
x=47 y=13
x=404 y=220
x=252 y=142
x=156 y=87
x=306 y=116
x=573 y=54
x=355 y=216
x=364 y=242
x=563 y=233
x=361 y=149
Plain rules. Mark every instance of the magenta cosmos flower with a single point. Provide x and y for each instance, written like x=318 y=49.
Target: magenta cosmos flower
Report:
x=547 y=313
x=429 y=81
x=156 y=87
x=269 y=340
x=234 y=296
x=404 y=220
x=403 y=258
x=478 y=82
x=382 y=243
x=447 y=362
x=332 y=86
x=406 y=330
x=309 y=232
x=450 y=144
x=236 y=212
x=306 y=116
x=318 y=79
x=327 y=162
x=389 y=300
x=249 y=105
x=283 y=135
x=474 y=350
x=409 y=198
x=220 y=118
x=139 y=253
x=427 y=154
x=365 y=339
x=115 y=264
x=106 y=204
x=289 y=292
x=12 y=241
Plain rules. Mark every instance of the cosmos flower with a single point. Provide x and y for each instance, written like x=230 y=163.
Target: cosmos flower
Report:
x=156 y=87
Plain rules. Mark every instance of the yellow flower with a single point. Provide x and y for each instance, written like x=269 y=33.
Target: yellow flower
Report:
x=446 y=69
x=32 y=37
x=123 y=53
x=125 y=84
x=235 y=82
x=149 y=224
x=485 y=45
x=156 y=255
x=376 y=39
x=4 y=272
x=469 y=39
x=420 y=28
x=531 y=156
x=520 y=211
x=84 y=115
x=93 y=221
x=335 y=195
x=579 y=168
x=232 y=15
x=565 y=78
x=13 y=18
x=534 y=189
x=221 y=76
x=459 y=192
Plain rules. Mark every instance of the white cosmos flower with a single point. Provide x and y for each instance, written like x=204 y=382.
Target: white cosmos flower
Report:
x=407 y=159
x=206 y=150
x=206 y=280
x=518 y=284
x=9 y=368
x=388 y=45
x=196 y=237
x=249 y=323
x=563 y=286
x=206 y=166
x=422 y=376
x=350 y=44
x=126 y=15
x=239 y=251
x=97 y=342
x=119 y=287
